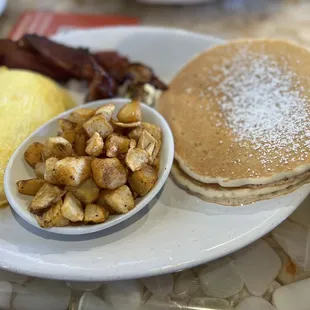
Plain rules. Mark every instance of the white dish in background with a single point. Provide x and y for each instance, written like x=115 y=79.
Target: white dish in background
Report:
x=17 y=169
x=174 y=232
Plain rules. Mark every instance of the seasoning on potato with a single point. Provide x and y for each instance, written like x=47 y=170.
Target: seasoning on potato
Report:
x=96 y=167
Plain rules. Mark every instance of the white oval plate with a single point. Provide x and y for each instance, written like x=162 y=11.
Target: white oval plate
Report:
x=174 y=232
x=17 y=169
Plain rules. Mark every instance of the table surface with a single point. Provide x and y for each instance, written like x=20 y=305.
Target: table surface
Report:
x=287 y=19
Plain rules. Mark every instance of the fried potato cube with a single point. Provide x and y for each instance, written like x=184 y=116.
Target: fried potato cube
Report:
x=47 y=195
x=72 y=171
x=29 y=187
x=69 y=135
x=153 y=130
x=94 y=146
x=82 y=115
x=98 y=123
x=72 y=208
x=53 y=217
x=101 y=200
x=87 y=192
x=116 y=144
x=106 y=110
x=65 y=124
x=135 y=133
x=130 y=113
x=108 y=172
x=120 y=200
x=125 y=125
x=149 y=144
x=33 y=154
x=136 y=159
x=57 y=147
x=156 y=163
x=95 y=214
x=49 y=174
x=142 y=181
x=80 y=141
x=39 y=170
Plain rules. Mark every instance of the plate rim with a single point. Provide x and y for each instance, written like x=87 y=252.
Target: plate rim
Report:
x=52 y=270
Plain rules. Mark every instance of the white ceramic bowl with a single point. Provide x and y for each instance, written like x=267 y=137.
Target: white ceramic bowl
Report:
x=17 y=169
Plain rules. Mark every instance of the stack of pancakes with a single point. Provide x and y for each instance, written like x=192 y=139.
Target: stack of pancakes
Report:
x=240 y=115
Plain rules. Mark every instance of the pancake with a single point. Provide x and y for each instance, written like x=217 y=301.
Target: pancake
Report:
x=236 y=196
x=240 y=113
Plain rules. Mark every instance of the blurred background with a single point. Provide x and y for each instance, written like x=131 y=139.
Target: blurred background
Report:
x=288 y=19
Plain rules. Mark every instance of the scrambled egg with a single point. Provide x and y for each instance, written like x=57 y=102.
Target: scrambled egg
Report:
x=27 y=101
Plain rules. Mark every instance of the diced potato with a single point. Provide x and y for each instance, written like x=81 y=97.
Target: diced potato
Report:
x=101 y=201
x=153 y=130
x=47 y=195
x=132 y=143
x=39 y=170
x=149 y=144
x=49 y=174
x=80 y=141
x=72 y=208
x=69 y=135
x=82 y=115
x=87 y=192
x=95 y=214
x=116 y=144
x=33 y=153
x=156 y=163
x=143 y=180
x=53 y=217
x=136 y=159
x=130 y=113
x=120 y=200
x=29 y=187
x=135 y=133
x=125 y=125
x=98 y=123
x=94 y=146
x=108 y=172
x=57 y=147
x=72 y=171
x=106 y=110
x=65 y=124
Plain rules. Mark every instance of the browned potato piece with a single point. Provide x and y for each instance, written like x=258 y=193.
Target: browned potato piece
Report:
x=80 y=141
x=82 y=115
x=49 y=174
x=94 y=146
x=149 y=144
x=72 y=208
x=69 y=135
x=47 y=195
x=130 y=113
x=95 y=214
x=136 y=159
x=65 y=124
x=120 y=200
x=135 y=133
x=101 y=201
x=98 y=123
x=143 y=180
x=156 y=163
x=106 y=110
x=72 y=171
x=53 y=217
x=33 y=154
x=39 y=170
x=153 y=130
x=108 y=172
x=125 y=125
x=87 y=192
x=29 y=187
x=116 y=144
x=57 y=147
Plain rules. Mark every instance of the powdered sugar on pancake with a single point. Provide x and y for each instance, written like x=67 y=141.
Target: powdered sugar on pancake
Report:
x=263 y=103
